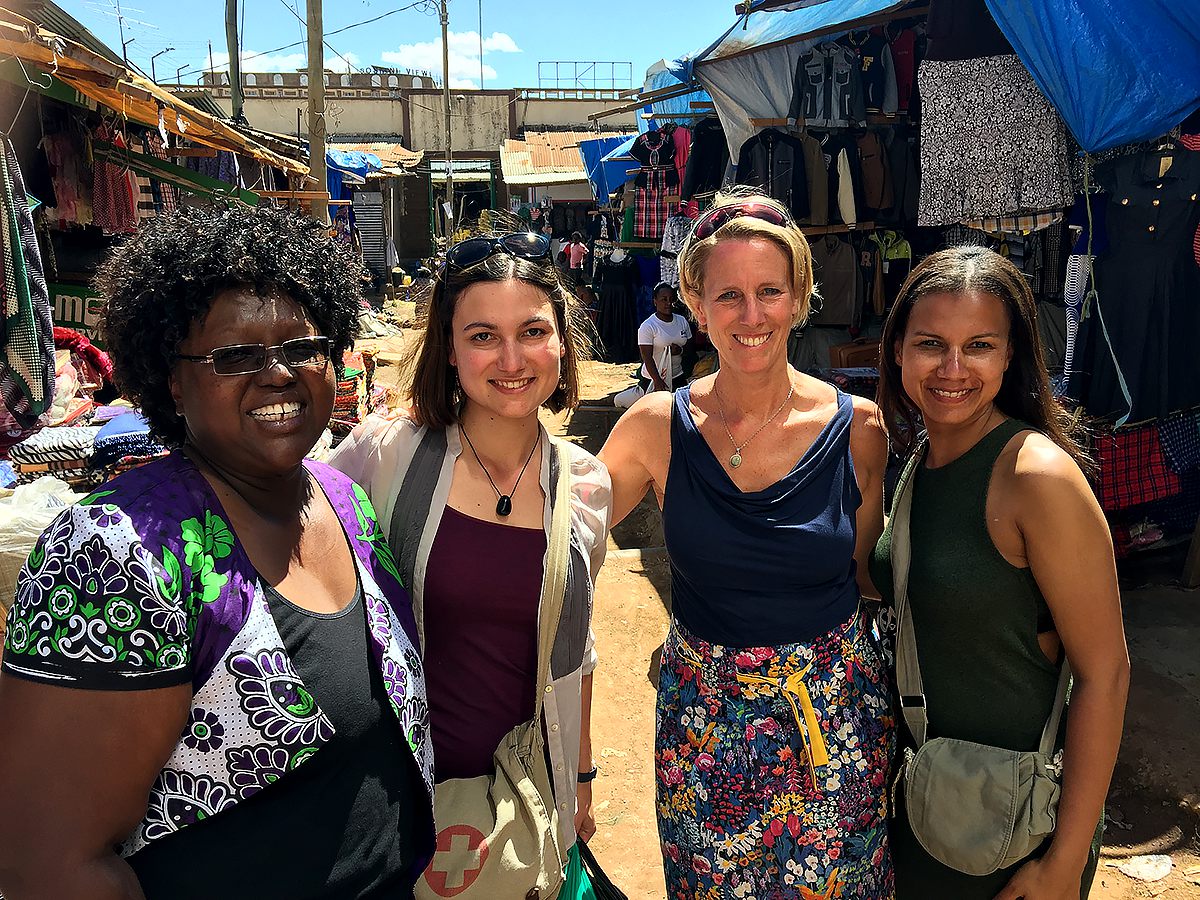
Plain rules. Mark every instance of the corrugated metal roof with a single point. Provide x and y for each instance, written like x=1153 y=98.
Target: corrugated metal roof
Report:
x=392 y=155
x=544 y=157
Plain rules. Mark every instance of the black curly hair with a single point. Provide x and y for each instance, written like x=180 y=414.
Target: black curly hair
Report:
x=165 y=277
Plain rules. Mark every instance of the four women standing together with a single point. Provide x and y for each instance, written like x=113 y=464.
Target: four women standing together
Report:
x=777 y=722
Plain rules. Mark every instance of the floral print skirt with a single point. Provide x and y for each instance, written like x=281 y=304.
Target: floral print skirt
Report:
x=772 y=766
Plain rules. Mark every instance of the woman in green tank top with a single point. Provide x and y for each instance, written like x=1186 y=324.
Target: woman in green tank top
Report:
x=1012 y=562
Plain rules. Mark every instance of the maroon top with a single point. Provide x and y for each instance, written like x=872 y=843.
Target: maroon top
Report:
x=483 y=582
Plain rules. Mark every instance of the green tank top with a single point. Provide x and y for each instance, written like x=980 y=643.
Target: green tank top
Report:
x=976 y=615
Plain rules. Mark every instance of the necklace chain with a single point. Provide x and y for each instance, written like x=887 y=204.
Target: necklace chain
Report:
x=503 y=501
x=736 y=459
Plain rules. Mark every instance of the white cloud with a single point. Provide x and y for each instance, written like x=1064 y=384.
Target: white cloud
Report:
x=465 y=71
x=284 y=62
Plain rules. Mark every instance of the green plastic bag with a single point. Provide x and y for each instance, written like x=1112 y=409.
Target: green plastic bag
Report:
x=577 y=886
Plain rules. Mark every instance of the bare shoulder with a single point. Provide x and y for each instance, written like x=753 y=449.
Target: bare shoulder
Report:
x=867 y=432
x=1036 y=469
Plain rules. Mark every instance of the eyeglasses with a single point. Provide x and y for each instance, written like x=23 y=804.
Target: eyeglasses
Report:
x=521 y=244
x=246 y=359
x=708 y=224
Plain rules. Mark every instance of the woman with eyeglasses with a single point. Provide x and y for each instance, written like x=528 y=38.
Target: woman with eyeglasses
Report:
x=774 y=725
x=464 y=485
x=211 y=686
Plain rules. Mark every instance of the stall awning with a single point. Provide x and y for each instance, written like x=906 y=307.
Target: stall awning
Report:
x=606 y=159
x=1118 y=71
x=395 y=159
x=127 y=94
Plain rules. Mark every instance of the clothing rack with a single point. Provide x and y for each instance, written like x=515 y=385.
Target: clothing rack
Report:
x=872 y=119
x=819 y=230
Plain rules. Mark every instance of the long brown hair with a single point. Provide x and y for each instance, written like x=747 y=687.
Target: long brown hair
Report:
x=1025 y=392
x=436 y=394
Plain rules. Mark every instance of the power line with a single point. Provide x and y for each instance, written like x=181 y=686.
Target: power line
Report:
x=418 y=3
x=328 y=46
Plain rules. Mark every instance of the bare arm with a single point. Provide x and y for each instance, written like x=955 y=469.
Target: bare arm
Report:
x=868 y=448
x=1057 y=510
x=637 y=451
x=78 y=766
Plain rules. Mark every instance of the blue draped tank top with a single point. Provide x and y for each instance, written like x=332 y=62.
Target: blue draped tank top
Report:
x=761 y=568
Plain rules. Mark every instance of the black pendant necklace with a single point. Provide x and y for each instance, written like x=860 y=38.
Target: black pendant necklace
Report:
x=504 y=501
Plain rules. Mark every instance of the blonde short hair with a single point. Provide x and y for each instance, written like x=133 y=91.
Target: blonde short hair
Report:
x=693 y=257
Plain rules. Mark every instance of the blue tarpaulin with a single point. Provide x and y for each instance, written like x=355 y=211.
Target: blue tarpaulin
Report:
x=340 y=163
x=1117 y=70
x=675 y=109
x=606 y=160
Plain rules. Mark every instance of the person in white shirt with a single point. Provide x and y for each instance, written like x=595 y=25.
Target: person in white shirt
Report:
x=661 y=340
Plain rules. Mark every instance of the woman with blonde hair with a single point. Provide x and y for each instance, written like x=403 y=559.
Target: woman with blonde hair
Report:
x=774 y=729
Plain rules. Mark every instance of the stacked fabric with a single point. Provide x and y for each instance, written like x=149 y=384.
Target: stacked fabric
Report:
x=123 y=443
x=64 y=452
x=353 y=400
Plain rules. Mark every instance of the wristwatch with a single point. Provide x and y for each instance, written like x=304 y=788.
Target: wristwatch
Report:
x=586 y=777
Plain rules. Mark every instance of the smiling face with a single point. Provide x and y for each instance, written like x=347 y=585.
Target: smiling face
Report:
x=506 y=346
x=748 y=302
x=953 y=356
x=257 y=425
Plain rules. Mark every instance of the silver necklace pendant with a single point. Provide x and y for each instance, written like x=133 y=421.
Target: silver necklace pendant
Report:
x=735 y=460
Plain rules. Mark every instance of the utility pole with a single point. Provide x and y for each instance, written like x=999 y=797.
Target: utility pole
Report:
x=235 y=59
x=450 y=223
x=481 y=45
x=121 y=29
x=316 y=108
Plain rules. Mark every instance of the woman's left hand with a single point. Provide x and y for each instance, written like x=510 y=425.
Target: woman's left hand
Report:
x=1043 y=879
x=585 y=822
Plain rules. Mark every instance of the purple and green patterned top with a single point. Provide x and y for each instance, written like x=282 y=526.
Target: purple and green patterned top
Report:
x=143 y=584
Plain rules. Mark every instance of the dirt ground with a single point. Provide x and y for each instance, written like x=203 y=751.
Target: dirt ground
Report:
x=1154 y=804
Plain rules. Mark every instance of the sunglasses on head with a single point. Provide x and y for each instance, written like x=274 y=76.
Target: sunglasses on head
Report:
x=708 y=224
x=246 y=359
x=521 y=244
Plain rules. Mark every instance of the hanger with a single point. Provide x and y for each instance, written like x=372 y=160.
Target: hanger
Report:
x=30 y=85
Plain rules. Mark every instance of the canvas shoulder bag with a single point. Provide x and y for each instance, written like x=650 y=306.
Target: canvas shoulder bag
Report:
x=973 y=807
x=497 y=835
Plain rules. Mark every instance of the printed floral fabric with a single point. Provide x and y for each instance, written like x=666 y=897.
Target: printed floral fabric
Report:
x=143 y=584
x=739 y=811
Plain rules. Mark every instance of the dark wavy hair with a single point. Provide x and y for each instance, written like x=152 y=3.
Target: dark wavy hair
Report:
x=436 y=394
x=1025 y=393
x=164 y=278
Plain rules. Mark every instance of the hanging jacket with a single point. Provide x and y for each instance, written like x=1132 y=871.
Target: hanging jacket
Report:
x=827 y=91
x=774 y=162
x=876 y=172
x=708 y=159
x=817 y=174
x=878 y=72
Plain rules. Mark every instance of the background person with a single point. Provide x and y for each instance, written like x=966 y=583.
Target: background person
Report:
x=1011 y=560
x=661 y=342
x=196 y=655
x=503 y=340
x=774 y=724
x=577 y=253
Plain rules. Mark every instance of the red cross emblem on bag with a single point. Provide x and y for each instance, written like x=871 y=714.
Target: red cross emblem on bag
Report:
x=457 y=860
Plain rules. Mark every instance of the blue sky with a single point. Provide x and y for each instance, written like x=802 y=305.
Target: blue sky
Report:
x=518 y=34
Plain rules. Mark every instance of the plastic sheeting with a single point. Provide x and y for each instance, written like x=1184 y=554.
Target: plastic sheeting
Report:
x=606 y=160
x=758 y=85
x=676 y=109
x=1117 y=70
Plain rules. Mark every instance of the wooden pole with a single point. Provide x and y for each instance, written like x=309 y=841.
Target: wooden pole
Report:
x=235 y=59
x=316 y=108
x=450 y=223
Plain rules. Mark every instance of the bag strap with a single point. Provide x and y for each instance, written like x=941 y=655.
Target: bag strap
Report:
x=908 y=668
x=413 y=501
x=554 y=577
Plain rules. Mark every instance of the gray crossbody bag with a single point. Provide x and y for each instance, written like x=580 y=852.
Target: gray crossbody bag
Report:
x=973 y=807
